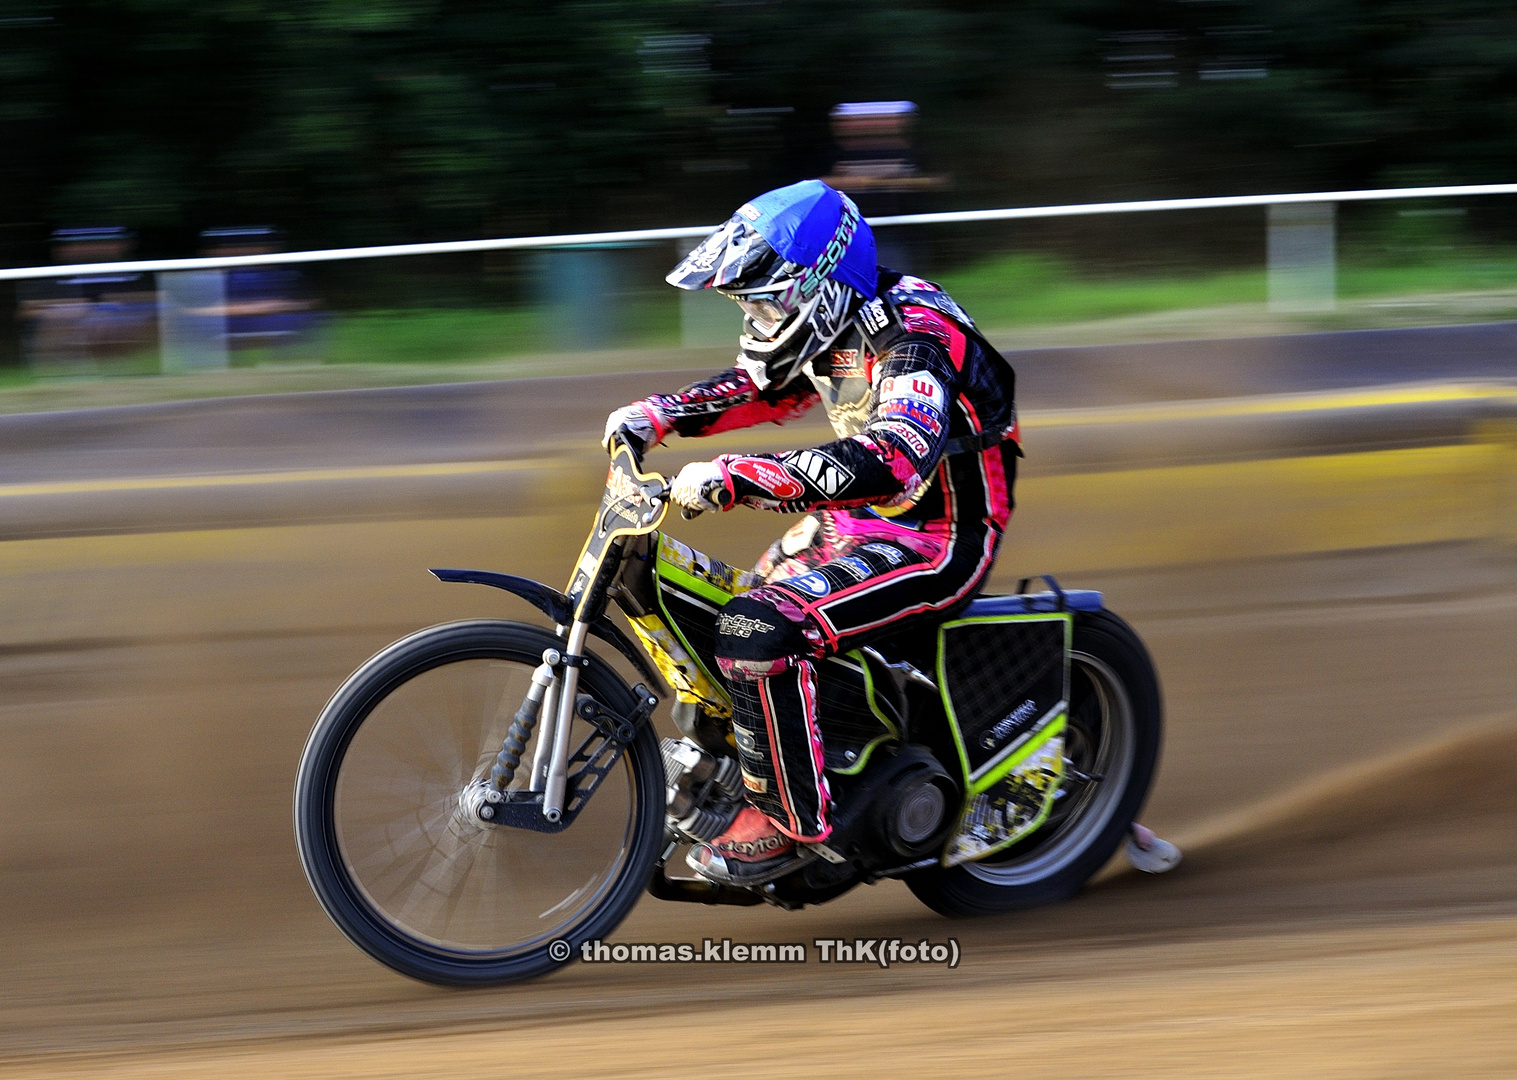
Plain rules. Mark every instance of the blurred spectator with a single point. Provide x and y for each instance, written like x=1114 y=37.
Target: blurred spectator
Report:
x=265 y=306
x=877 y=167
x=80 y=323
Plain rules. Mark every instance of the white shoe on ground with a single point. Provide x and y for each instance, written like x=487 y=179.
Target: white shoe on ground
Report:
x=1149 y=853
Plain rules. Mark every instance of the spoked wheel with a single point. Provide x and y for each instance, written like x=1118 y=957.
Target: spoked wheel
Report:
x=402 y=867
x=1111 y=746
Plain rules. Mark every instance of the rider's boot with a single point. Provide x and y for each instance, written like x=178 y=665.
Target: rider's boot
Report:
x=751 y=852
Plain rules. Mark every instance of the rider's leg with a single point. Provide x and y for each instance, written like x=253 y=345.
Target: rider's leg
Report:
x=766 y=658
x=862 y=577
x=854 y=580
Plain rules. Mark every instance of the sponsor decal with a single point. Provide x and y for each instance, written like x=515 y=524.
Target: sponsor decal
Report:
x=768 y=475
x=677 y=554
x=1005 y=726
x=621 y=488
x=700 y=261
x=811 y=583
x=893 y=555
x=913 y=386
x=749 y=211
x=764 y=844
x=855 y=566
x=923 y=416
x=908 y=436
x=741 y=625
x=757 y=784
x=704 y=258
x=821 y=469
x=744 y=739
x=873 y=316
x=846 y=364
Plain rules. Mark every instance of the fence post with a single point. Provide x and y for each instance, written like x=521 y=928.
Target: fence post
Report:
x=192 y=333
x=581 y=295
x=1303 y=264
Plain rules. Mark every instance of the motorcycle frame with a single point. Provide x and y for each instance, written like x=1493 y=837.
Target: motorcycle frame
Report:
x=635 y=504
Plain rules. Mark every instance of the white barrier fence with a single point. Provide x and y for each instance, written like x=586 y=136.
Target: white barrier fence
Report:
x=1301 y=248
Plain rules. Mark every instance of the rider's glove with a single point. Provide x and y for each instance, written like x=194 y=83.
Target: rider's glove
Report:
x=702 y=485
x=641 y=422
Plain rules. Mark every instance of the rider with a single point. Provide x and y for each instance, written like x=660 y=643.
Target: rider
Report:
x=907 y=506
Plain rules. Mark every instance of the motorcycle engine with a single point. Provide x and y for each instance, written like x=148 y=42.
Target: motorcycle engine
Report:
x=703 y=792
x=897 y=811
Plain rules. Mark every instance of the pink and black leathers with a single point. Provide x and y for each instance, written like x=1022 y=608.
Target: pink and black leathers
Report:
x=908 y=507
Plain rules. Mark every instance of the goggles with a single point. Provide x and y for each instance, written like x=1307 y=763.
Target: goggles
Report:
x=767 y=307
x=764 y=308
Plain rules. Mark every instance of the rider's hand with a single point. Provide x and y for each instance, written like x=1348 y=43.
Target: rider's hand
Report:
x=700 y=485
x=644 y=424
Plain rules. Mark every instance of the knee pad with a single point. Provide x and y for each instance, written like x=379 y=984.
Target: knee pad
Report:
x=754 y=641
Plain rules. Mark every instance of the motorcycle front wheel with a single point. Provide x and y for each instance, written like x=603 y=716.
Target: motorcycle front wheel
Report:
x=406 y=873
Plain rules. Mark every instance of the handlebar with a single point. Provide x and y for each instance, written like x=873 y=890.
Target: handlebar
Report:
x=714 y=491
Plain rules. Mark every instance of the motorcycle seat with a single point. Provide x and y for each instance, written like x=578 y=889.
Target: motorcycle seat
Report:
x=1032 y=603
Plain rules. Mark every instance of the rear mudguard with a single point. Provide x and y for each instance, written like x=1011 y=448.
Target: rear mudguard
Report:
x=555 y=605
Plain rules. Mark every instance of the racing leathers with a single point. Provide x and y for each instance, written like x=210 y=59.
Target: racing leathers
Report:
x=907 y=509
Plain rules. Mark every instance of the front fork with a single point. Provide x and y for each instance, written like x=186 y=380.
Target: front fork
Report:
x=554 y=691
x=562 y=722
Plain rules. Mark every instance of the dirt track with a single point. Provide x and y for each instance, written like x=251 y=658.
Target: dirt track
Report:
x=1342 y=736
x=1339 y=763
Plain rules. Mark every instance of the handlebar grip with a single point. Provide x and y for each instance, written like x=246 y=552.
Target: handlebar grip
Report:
x=715 y=491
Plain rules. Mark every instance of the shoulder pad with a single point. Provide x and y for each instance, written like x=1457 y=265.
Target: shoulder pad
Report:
x=920 y=293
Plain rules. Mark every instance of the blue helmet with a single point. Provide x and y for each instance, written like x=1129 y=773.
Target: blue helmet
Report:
x=800 y=262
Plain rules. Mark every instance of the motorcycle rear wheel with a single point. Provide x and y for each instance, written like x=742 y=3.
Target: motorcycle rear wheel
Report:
x=405 y=874
x=1114 y=730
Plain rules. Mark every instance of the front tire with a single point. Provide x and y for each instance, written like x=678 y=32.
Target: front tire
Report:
x=407 y=878
x=1115 y=727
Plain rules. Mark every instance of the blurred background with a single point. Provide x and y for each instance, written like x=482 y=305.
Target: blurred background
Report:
x=344 y=124
x=1282 y=440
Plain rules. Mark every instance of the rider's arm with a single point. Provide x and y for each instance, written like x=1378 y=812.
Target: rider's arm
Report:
x=900 y=445
x=726 y=402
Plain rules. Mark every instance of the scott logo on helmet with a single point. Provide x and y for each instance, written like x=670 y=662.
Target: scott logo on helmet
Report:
x=848 y=221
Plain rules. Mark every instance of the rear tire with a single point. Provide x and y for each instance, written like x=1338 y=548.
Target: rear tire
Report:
x=1115 y=728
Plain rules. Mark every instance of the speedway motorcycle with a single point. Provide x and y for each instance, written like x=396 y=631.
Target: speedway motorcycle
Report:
x=481 y=797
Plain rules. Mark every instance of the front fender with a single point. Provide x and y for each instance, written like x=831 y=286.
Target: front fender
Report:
x=555 y=605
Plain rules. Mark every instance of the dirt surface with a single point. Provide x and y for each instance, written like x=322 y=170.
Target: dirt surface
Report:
x=1338 y=764
x=1342 y=732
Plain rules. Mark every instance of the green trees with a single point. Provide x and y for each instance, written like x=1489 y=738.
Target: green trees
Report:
x=392 y=120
